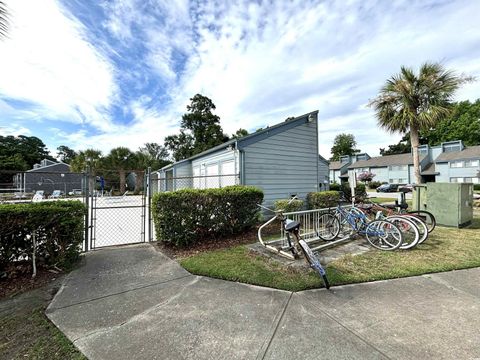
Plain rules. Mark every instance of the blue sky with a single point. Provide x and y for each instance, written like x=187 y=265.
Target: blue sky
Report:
x=89 y=73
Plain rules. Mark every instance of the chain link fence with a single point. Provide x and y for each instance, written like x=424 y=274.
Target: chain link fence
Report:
x=18 y=186
x=162 y=184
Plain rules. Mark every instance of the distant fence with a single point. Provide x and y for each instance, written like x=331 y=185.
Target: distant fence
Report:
x=21 y=185
x=161 y=184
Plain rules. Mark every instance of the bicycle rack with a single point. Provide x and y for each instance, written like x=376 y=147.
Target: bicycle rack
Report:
x=307 y=218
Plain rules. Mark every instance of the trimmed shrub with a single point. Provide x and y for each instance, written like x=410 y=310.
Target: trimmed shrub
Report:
x=360 y=192
x=187 y=216
x=59 y=229
x=335 y=187
x=476 y=186
x=283 y=204
x=374 y=184
x=322 y=199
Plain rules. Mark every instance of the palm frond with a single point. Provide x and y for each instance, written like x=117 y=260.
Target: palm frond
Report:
x=416 y=100
x=4 y=21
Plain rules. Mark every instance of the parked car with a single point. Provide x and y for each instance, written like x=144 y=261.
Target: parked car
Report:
x=387 y=188
x=406 y=188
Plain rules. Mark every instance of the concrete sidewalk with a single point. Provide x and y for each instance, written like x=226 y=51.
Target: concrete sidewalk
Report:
x=135 y=303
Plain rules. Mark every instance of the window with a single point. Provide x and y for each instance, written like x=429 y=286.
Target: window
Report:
x=398 y=181
x=451 y=147
x=398 y=167
x=456 y=164
x=470 y=180
x=361 y=170
x=471 y=163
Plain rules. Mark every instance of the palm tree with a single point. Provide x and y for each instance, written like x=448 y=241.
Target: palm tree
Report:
x=3 y=19
x=91 y=158
x=414 y=102
x=120 y=159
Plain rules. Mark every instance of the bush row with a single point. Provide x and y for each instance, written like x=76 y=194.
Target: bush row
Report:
x=323 y=199
x=288 y=205
x=188 y=216
x=59 y=229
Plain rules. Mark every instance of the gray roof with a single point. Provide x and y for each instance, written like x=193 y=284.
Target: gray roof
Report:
x=471 y=152
x=335 y=165
x=387 y=160
x=430 y=170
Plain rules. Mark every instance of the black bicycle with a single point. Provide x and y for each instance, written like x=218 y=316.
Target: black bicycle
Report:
x=292 y=230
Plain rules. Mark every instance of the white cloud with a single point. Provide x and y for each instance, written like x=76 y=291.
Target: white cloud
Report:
x=260 y=62
x=47 y=61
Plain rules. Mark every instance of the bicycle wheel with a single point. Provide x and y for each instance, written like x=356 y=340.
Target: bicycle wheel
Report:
x=314 y=262
x=384 y=235
x=410 y=232
x=426 y=216
x=422 y=227
x=327 y=227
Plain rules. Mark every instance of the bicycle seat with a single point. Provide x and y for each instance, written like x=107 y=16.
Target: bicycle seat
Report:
x=292 y=226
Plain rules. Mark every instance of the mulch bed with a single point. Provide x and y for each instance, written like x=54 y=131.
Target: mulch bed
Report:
x=18 y=278
x=248 y=237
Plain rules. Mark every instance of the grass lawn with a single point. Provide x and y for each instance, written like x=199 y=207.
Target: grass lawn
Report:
x=25 y=331
x=445 y=249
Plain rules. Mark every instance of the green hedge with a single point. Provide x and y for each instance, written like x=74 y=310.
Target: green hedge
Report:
x=322 y=199
x=283 y=204
x=188 y=216
x=476 y=186
x=374 y=184
x=335 y=187
x=59 y=229
x=360 y=192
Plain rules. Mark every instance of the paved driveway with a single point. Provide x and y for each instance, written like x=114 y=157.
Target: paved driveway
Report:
x=135 y=303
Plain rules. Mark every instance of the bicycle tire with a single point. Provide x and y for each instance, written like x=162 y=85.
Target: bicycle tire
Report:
x=422 y=227
x=314 y=262
x=410 y=232
x=426 y=216
x=327 y=227
x=384 y=230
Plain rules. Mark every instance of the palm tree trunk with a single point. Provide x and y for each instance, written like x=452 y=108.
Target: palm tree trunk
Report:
x=121 y=173
x=414 y=139
x=139 y=181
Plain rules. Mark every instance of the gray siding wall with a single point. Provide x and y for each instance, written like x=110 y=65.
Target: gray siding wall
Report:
x=284 y=164
x=323 y=175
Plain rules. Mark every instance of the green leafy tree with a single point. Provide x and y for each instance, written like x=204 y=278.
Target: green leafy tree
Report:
x=239 y=133
x=30 y=148
x=156 y=156
x=463 y=124
x=200 y=130
x=15 y=162
x=414 y=102
x=65 y=154
x=343 y=144
x=181 y=146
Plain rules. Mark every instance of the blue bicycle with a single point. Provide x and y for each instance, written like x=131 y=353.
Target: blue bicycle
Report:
x=381 y=234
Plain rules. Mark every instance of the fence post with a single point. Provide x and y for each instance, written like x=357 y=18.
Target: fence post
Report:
x=149 y=197
x=86 y=180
